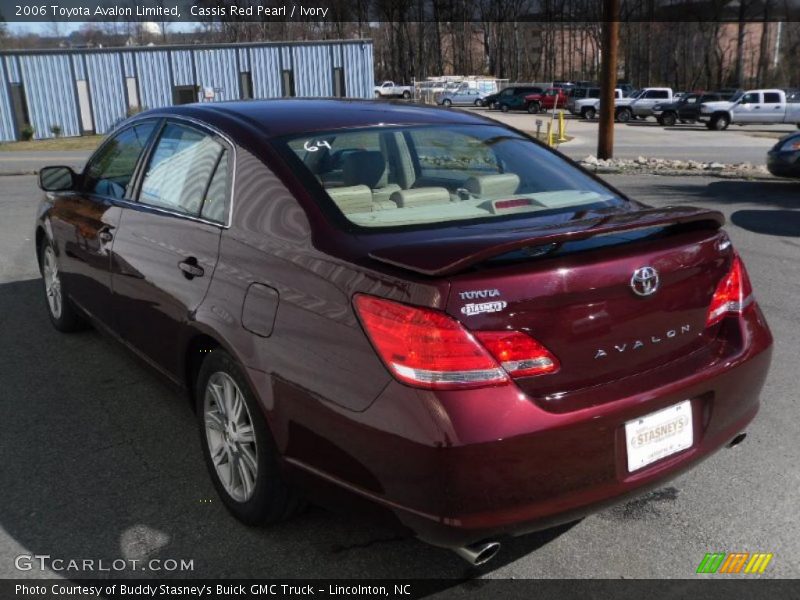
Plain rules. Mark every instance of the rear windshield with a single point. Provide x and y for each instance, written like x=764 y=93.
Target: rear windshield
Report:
x=415 y=176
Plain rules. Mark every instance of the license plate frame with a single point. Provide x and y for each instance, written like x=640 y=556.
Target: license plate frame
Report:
x=658 y=435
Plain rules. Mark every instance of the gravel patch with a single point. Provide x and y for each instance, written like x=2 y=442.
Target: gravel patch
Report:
x=665 y=166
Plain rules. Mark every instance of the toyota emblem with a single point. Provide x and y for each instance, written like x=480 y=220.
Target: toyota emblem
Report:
x=644 y=281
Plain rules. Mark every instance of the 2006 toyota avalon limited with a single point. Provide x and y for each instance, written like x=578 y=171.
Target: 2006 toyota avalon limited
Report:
x=413 y=307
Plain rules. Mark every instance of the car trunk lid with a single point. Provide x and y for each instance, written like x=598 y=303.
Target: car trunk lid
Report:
x=574 y=290
x=587 y=309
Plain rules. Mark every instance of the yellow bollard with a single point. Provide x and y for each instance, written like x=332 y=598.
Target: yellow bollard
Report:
x=550 y=141
x=562 y=127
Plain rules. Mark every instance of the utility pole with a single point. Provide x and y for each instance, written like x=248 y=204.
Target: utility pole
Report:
x=608 y=78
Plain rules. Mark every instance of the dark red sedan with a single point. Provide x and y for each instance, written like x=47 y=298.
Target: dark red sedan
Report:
x=417 y=308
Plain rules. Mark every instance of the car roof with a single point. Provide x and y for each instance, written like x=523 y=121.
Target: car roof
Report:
x=281 y=117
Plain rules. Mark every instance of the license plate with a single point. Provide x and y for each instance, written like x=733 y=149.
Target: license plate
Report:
x=658 y=435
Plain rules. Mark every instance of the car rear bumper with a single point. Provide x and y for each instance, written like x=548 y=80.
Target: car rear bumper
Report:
x=481 y=464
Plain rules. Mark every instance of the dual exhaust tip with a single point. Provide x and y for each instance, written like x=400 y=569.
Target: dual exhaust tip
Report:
x=480 y=554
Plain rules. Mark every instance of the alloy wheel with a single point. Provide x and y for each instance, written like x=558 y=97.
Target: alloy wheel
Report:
x=231 y=436
x=52 y=282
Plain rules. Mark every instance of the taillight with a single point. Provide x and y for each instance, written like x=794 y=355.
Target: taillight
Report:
x=519 y=354
x=429 y=349
x=733 y=295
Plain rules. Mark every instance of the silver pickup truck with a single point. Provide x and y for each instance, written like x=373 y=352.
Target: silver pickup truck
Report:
x=753 y=107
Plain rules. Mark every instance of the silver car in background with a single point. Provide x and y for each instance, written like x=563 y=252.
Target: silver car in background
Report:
x=462 y=97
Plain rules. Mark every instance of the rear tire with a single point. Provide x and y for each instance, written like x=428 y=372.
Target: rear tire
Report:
x=624 y=115
x=478 y=102
x=406 y=94
x=245 y=467
x=589 y=113
x=533 y=108
x=63 y=315
x=504 y=108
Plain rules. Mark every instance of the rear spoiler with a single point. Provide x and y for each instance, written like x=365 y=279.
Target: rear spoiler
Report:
x=447 y=256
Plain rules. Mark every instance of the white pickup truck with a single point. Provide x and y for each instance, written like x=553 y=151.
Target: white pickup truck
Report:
x=754 y=106
x=641 y=104
x=389 y=89
x=588 y=108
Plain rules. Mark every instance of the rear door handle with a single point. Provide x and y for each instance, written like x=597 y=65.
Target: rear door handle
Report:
x=190 y=268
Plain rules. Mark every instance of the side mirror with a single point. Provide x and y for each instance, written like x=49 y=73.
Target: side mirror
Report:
x=57 y=179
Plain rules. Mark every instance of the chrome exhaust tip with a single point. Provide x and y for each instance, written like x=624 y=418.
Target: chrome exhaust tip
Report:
x=737 y=440
x=478 y=554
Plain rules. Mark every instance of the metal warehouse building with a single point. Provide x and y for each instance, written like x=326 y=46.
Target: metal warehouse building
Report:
x=89 y=90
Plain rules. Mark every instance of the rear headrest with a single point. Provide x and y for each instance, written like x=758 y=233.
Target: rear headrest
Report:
x=352 y=199
x=426 y=196
x=493 y=186
x=364 y=167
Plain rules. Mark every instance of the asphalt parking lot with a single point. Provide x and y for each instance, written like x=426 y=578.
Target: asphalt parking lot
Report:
x=100 y=460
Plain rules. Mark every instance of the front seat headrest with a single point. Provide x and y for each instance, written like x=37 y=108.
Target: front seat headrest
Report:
x=364 y=167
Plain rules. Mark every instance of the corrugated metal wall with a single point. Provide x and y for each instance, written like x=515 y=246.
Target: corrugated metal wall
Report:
x=216 y=69
x=153 y=76
x=106 y=89
x=57 y=84
x=266 y=71
x=130 y=69
x=6 y=117
x=313 y=70
x=359 y=73
x=49 y=86
x=182 y=67
x=12 y=64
